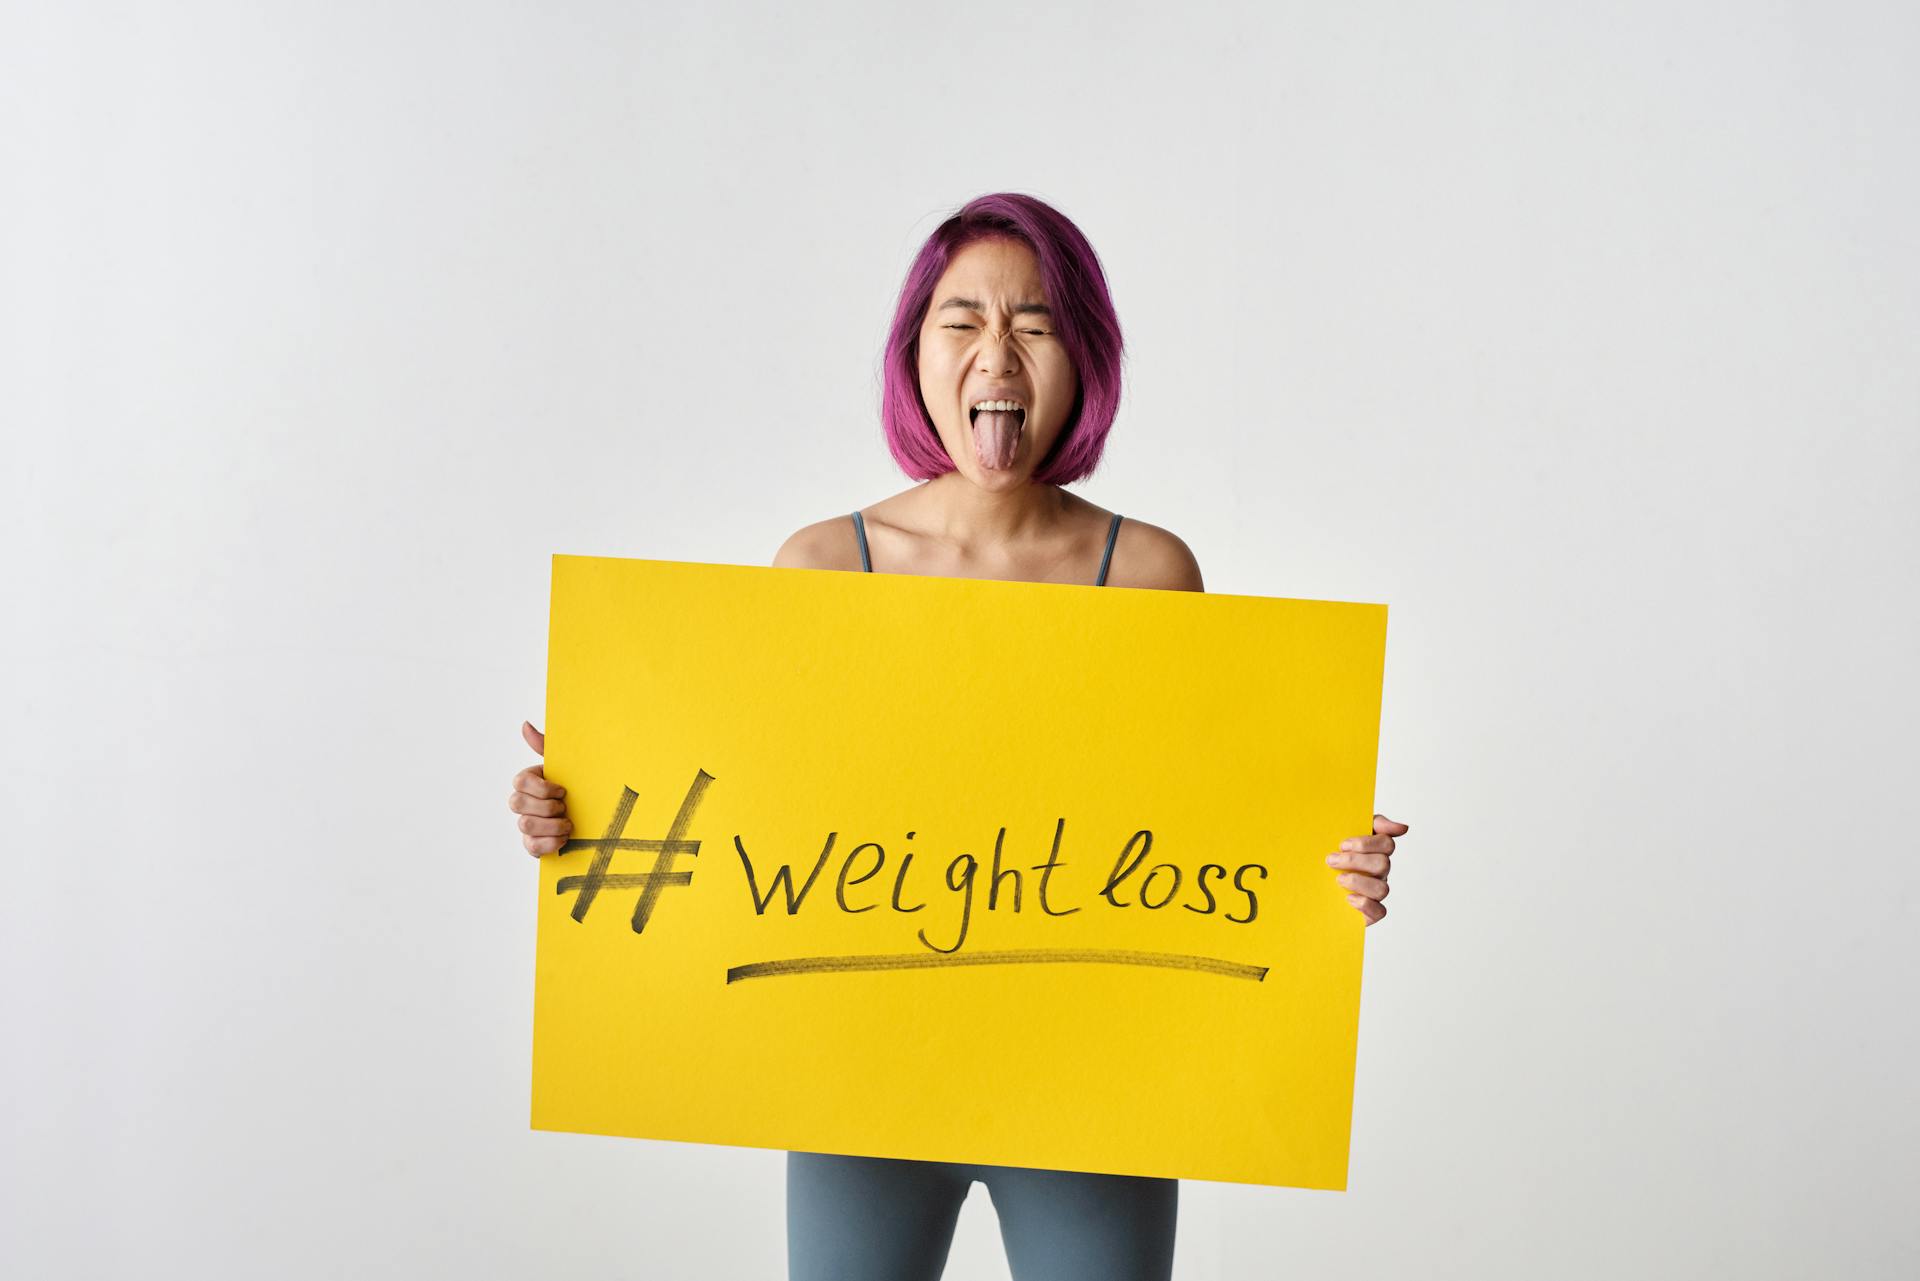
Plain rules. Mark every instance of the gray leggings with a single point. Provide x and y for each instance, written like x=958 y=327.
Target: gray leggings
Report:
x=862 y=1218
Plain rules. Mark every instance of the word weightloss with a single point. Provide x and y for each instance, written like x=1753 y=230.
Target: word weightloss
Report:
x=1157 y=888
x=867 y=878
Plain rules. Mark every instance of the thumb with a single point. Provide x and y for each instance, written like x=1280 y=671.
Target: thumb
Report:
x=1383 y=826
x=535 y=739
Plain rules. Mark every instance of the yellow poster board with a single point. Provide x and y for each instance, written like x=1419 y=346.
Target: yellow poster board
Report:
x=950 y=869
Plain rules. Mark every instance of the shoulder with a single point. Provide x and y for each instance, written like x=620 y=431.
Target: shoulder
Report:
x=825 y=544
x=1146 y=555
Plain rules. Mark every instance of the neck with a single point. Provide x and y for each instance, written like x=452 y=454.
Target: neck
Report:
x=959 y=512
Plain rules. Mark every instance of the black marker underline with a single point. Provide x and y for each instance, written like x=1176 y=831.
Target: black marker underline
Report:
x=1024 y=956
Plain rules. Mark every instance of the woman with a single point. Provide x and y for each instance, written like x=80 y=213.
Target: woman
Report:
x=1002 y=378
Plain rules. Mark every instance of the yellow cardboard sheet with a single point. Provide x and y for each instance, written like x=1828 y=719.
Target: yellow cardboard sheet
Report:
x=780 y=925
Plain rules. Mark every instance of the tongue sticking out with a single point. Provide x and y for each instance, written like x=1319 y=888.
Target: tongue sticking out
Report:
x=995 y=433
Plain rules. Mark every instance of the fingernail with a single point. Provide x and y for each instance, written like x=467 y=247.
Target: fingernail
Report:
x=1354 y=899
x=1345 y=878
x=1333 y=860
x=1347 y=845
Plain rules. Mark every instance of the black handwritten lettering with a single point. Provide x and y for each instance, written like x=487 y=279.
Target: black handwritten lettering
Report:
x=587 y=887
x=782 y=879
x=1146 y=886
x=1200 y=880
x=966 y=906
x=900 y=879
x=1046 y=871
x=1159 y=888
x=1122 y=869
x=993 y=885
x=1253 y=903
x=840 y=889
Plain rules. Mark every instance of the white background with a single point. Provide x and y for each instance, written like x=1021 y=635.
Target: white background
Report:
x=1584 y=336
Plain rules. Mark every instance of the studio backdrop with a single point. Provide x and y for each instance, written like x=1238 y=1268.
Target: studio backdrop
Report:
x=1582 y=337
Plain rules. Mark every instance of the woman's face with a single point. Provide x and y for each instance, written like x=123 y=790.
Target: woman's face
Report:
x=988 y=336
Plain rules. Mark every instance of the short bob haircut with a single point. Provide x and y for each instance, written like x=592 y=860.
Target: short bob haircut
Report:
x=1083 y=319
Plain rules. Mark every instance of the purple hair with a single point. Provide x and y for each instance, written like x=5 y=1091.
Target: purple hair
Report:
x=1083 y=318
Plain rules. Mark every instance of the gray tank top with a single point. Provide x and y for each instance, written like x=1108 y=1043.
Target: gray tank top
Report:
x=1106 y=558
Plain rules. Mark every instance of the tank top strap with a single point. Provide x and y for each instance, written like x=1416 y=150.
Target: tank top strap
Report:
x=1113 y=531
x=860 y=528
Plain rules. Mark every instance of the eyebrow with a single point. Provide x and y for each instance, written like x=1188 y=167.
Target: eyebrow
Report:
x=1022 y=309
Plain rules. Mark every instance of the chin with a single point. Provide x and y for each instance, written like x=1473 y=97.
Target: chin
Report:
x=997 y=481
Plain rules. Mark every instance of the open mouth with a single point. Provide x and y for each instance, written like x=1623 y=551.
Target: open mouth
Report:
x=996 y=436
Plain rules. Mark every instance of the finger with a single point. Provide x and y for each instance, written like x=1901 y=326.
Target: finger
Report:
x=534 y=782
x=1371 y=864
x=1367 y=907
x=522 y=803
x=535 y=739
x=1371 y=887
x=1369 y=844
x=1384 y=825
x=538 y=845
x=533 y=825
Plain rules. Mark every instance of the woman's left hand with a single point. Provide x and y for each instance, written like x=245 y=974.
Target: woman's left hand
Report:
x=1370 y=858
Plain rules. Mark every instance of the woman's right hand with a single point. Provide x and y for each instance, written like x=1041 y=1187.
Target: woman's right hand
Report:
x=541 y=805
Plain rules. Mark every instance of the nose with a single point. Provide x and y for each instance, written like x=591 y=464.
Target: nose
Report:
x=996 y=353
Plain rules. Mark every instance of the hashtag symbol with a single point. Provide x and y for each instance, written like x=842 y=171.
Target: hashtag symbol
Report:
x=587 y=887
